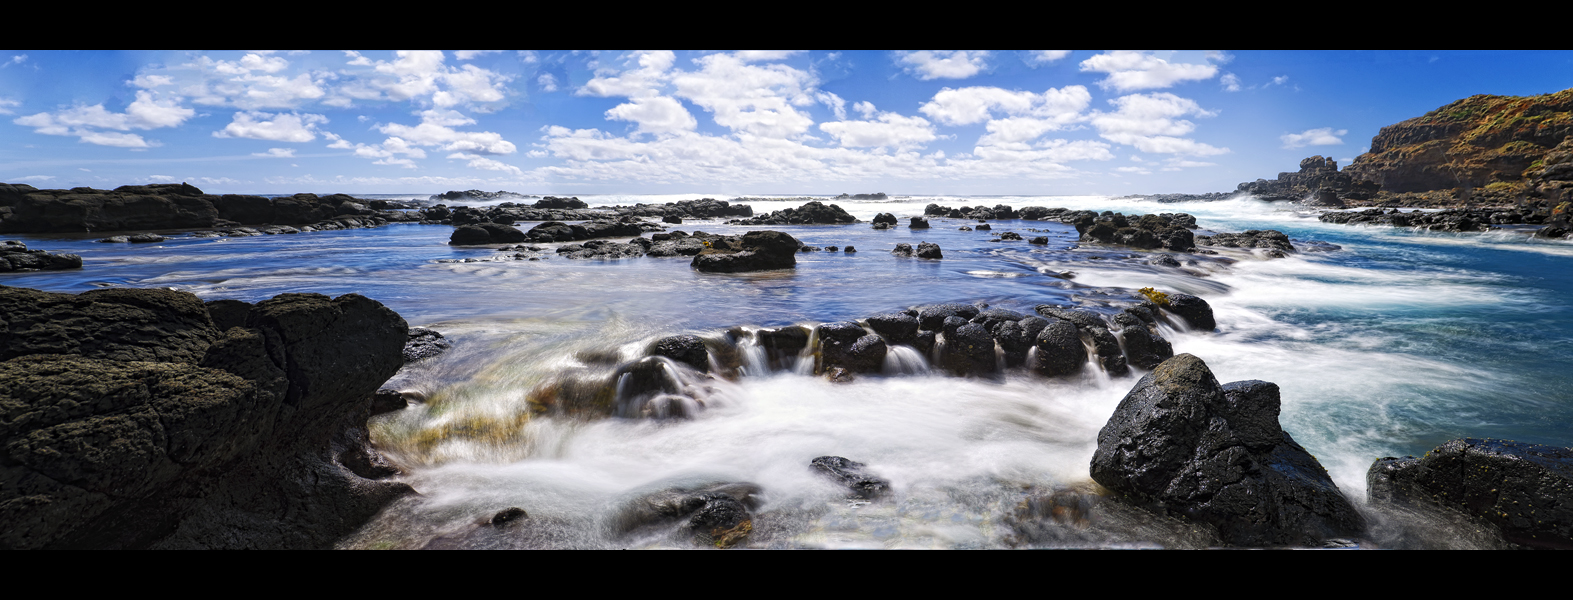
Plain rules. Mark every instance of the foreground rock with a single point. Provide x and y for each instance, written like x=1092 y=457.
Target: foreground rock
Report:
x=132 y=421
x=757 y=251
x=852 y=475
x=1184 y=444
x=1524 y=490
x=14 y=256
x=717 y=515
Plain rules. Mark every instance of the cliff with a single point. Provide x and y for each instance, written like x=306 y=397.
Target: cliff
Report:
x=1474 y=142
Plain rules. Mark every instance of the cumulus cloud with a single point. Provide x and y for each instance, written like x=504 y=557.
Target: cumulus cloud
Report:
x=87 y=122
x=477 y=161
x=283 y=127
x=1044 y=57
x=1151 y=123
x=437 y=129
x=7 y=105
x=1230 y=82
x=943 y=64
x=976 y=104
x=1130 y=71
x=749 y=98
x=1324 y=136
x=547 y=82
x=887 y=130
x=657 y=115
x=645 y=79
x=472 y=54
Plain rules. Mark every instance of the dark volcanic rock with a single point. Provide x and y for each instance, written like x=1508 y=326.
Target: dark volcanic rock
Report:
x=686 y=349
x=1196 y=312
x=1059 y=349
x=929 y=250
x=1254 y=238
x=760 y=251
x=485 y=233
x=899 y=328
x=133 y=423
x=812 y=213
x=1524 y=490
x=717 y=515
x=852 y=475
x=422 y=343
x=918 y=223
x=1184 y=444
x=14 y=256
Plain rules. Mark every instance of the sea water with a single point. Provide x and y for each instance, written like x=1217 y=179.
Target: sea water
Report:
x=1388 y=346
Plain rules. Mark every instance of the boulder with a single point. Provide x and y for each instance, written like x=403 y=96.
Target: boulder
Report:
x=847 y=345
x=1181 y=443
x=1523 y=490
x=852 y=475
x=929 y=250
x=1196 y=312
x=761 y=250
x=134 y=423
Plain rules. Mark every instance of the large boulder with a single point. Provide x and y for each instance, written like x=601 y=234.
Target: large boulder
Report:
x=132 y=422
x=1524 y=490
x=761 y=250
x=1184 y=444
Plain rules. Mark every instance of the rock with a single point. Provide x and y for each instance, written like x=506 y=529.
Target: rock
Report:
x=15 y=257
x=485 y=233
x=969 y=350
x=847 y=345
x=812 y=213
x=886 y=218
x=423 y=343
x=716 y=515
x=902 y=249
x=1215 y=454
x=138 y=425
x=1059 y=349
x=852 y=475
x=761 y=250
x=1523 y=490
x=898 y=328
x=919 y=223
x=928 y=250
x=1254 y=238
x=1196 y=312
x=686 y=349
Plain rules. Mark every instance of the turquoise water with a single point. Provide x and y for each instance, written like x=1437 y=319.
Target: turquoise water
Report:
x=1393 y=344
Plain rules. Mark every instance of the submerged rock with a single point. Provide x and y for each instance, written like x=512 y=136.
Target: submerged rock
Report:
x=1523 y=490
x=424 y=343
x=14 y=256
x=852 y=475
x=717 y=515
x=760 y=251
x=1184 y=444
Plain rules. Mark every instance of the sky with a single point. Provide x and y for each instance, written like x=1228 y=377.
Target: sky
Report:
x=933 y=122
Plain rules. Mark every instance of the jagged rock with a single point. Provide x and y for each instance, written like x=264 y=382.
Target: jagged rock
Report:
x=686 y=349
x=919 y=223
x=423 y=343
x=898 y=328
x=929 y=250
x=852 y=475
x=1059 y=349
x=885 y=218
x=902 y=249
x=1523 y=490
x=14 y=256
x=717 y=515
x=812 y=213
x=1184 y=444
x=1254 y=238
x=1196 y=312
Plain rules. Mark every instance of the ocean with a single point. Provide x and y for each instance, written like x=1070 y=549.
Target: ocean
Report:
x=1387 y=346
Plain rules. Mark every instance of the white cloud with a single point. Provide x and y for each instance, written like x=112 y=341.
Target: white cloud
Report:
x=1044 y=57
x=748 y=98
x=888 y=130
x=277 y=153
x=1324 y=136
x=944 y=64
x=161 y=178
x=34 y=178
x=1138 y=70
x=1279 y=80
x=1150 y=122
x=436 y=129
x=14 y=60
x=764 y=55
x=480 y=162
x=547 y=82
x=976 y=104
x=85 y=122
x=657 y=115
x=472 y=54
x=290 y=127
x=836 y=104
x=865 y=108
x=7 y=104
x=1230 y=82
x=645 y=80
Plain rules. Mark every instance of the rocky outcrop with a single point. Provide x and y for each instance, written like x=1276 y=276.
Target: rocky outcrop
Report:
x=1275 y=242
x=755 y=251
x=131 y=421
x=1523 y=490
x=719 y=516
x=477 y=196
x=1473 y=142
x=1455 y=220
x=485 y=233
x=25 y=209
x=1183 y=444
x=812 y=213
x=852 y=475
x=1317 y=179
x=1167 y=231
x=1000 y=211
x=15 y=257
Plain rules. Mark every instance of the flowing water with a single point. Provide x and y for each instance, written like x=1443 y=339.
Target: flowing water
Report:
x=1394 y=343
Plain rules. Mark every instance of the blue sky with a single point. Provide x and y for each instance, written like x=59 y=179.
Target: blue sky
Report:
x=659 y=122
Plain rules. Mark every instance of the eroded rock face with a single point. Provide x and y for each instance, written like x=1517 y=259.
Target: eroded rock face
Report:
x=1214 y=453
x=14 y=256
x=1524 y=490
x=130 y=421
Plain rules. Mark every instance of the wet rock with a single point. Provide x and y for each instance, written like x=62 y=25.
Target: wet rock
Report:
x=812 y=213
x=929 y=250
x=761 y=250
x=485 y=233
x=716 y=515
x=919 y=223
x=885 y=218
x=423 y=343
x=1254 y=238
x=902 y=249
x=846 y=344
x=1059 y=349
x=933 y=317
x=1196 y=312
x=782 y=346
x=969 y=350
x=850 y=250
x=1184 y=444
x=1040 y=240
x=15 y=257
x=686 y=349
x=852 y=475
x=1523 y=490
x=898 y=328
